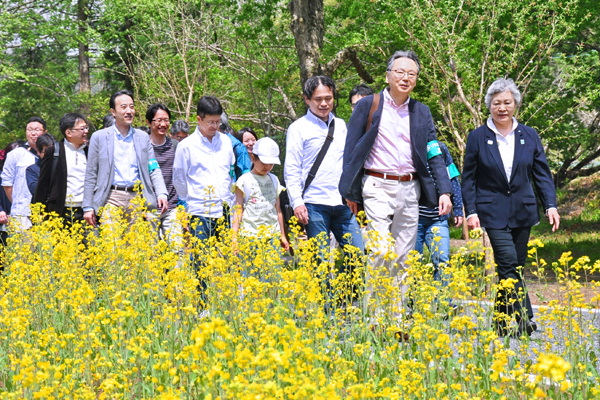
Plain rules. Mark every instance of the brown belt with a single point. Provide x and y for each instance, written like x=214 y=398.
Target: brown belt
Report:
x=401 y=178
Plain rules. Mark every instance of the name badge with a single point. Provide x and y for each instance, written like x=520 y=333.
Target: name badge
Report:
x=490 y=142
x=522 y=141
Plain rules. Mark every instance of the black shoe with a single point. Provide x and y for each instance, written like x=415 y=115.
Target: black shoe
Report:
x=526 y=326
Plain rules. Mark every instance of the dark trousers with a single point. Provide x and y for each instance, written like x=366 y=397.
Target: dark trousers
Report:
x=510 y=252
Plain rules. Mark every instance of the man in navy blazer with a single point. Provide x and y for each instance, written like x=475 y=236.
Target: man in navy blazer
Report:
x=385 y=164
x=502 y=159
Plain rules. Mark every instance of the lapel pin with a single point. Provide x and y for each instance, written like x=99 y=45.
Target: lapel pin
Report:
x=490 y=142
x=522 y=141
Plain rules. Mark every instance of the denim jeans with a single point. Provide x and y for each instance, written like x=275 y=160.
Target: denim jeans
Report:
x=342 y=223
x=204 y=228
x=439 y=250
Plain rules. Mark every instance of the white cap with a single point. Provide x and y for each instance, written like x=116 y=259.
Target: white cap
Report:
x=267 y=151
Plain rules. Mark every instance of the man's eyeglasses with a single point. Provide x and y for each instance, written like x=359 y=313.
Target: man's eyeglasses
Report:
x=83 y=128
x=214 y=124
x=159 y=121
x=36 y=130
x=399 y=74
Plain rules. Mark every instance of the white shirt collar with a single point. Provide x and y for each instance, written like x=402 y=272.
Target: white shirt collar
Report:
x=72 y=147
x=492 y=126
x=312 y=117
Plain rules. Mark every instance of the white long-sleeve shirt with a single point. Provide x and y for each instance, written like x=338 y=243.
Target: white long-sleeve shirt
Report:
x=305 y=138
x=13 y=175
x=202 y=173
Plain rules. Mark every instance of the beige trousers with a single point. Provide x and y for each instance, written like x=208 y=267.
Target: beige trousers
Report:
x=392 y=209
x=118 y=199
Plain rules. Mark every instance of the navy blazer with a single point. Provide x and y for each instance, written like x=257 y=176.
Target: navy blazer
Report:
x=485 y=189
x=359 y=144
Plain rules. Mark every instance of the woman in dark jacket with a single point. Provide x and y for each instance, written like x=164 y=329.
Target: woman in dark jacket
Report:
x=502 y=159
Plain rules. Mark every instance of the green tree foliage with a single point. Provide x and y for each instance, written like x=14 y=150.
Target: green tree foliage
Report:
x=247 y=54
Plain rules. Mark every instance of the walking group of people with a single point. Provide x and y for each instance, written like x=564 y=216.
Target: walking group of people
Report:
x=386 y=161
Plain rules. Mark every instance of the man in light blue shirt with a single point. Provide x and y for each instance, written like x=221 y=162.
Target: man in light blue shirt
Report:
x=118 y=158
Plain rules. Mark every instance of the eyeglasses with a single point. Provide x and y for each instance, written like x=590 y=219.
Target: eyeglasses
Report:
x=83 y=128
x=159 y=121
x=36 y=130
x=399 y=74
x=215 y=124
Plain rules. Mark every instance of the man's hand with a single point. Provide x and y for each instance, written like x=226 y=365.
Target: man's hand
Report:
x=353 y=206
x=302 y=214
x=162 y=203
x=445 y=204
x=458 y=221
x=3 y=218
x=90 y=217
x=554 y=218
x=473 y=223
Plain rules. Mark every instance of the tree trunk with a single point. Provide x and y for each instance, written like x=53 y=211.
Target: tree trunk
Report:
x=308 y=28
x=84 y=57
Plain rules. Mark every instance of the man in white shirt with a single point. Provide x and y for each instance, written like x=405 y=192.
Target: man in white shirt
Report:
x=203 y=171
x=13 y=174
x=62 y=172
x=319 y=205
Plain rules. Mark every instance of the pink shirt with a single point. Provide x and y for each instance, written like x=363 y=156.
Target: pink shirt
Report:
x=391 y=151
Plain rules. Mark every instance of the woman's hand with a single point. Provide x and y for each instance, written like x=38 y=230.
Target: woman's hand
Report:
x=284 y=243
x=554 y=218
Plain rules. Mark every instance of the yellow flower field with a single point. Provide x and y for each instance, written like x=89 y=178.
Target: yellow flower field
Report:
x=123 y=319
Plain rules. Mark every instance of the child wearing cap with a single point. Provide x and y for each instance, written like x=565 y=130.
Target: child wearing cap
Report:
x=257 y=195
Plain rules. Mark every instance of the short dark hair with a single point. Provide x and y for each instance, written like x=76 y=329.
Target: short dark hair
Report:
x=111 y=102
x=44 y=140
x=404 y=54
x=240 y=135
x=37 y=119
x=180 y=126
x=109 y=120
x=68 y=121
x=209 y=105
x=362 y=90
x=313 y=83
x=144 y=128
x=153 y=109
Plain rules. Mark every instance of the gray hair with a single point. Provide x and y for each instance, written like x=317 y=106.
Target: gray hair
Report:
x=180 y=126
x=404 y=54
x=502 y=85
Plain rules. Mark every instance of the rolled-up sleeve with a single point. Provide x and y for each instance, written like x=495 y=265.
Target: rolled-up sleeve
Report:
x=9 y=171
x=293 y=167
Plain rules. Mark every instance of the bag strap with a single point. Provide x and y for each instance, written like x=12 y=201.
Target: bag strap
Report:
x=53 y=170
x=315 y=167
x=374 y=107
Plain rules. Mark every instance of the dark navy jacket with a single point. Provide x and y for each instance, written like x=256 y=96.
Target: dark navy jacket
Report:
x=486 y=191
x=359 y=144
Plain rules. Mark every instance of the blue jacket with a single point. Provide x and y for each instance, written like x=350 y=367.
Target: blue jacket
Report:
x=498 y=202
x=242 y=159
x=359 y=144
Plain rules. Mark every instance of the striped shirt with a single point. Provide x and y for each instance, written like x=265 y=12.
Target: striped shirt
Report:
x=165 y=155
